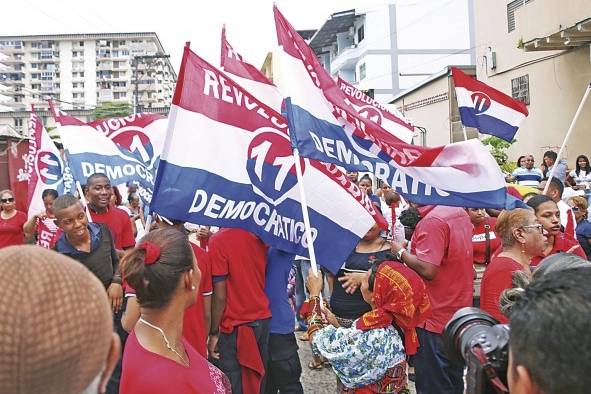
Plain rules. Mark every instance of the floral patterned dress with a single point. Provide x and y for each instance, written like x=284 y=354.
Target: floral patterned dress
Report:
x=360 y=358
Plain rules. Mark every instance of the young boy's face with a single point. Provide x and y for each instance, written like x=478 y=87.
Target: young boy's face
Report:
x=72 y=221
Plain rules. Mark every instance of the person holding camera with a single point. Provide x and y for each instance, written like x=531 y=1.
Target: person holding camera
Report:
x=522 y=238
x=549 y=347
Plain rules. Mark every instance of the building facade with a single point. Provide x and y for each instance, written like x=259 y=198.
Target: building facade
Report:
x=538 y=51
x=81 y=71
x=389 y=48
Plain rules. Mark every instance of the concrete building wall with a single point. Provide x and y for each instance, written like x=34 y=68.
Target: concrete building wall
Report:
x=557 y=79
x=428 y=107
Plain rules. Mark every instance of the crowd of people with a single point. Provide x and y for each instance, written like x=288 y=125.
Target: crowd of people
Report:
x=180 y=308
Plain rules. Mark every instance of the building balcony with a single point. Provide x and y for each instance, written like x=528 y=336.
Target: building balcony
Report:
x=9 y=49
x=105 y=66
x=12 y=60
x=78 y=59
x=120 y=88
x=346 y=60
x=559 y=25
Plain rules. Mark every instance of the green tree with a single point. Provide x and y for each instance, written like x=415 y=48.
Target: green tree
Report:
x=498 y=149
x=112 y=110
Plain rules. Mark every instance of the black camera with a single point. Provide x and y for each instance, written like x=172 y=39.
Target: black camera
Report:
x=475 y=337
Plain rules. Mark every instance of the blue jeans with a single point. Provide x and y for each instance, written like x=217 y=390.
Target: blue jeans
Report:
x=434 y=372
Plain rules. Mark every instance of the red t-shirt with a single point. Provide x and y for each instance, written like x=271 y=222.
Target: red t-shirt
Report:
x=497 y=277
x=47 y=232
x=117 y=220
x=479 y=240
x=11 y=230
x=242 y=258
x=562 y=244
x=194 y=329
x=444 y=238
x=150 y=373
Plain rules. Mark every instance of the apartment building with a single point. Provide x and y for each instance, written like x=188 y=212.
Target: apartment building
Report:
x=389 y=48
x=81 y=71
x=538 y=51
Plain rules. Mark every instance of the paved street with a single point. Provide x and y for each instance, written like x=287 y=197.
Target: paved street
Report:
x=318 y=381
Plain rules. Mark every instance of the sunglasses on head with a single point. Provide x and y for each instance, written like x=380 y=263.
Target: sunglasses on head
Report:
x=5 y=200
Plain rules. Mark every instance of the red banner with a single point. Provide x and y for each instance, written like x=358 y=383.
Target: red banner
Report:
x=18 y=173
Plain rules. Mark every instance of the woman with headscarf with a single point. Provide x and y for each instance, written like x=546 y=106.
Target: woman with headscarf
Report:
x=12 y=221
x=157 y=359
x=548 y=215
x=369 y=357
x=521 y=238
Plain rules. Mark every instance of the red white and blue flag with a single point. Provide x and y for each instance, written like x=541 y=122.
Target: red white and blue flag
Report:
x=389 y=118
x=487 y=109
x=248 y=76
x=126 y=149
x=325 y=126
x=45 y=166
x=228 y=162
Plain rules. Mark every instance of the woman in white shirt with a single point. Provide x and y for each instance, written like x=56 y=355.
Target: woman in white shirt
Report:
x=580 y=177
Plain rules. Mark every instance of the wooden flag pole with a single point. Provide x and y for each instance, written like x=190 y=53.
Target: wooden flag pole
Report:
x=568 y=133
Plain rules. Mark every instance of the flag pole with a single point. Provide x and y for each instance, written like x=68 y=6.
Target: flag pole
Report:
x=568 y=133
x=83 y=200
x=465 y=133
x=308 y=230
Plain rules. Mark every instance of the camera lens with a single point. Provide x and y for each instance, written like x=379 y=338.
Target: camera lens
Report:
x=463 y=327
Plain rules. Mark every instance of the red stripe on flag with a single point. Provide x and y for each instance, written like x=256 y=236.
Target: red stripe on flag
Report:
x=465 y=81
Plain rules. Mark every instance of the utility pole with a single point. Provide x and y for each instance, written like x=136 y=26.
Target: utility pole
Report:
x=135 y=62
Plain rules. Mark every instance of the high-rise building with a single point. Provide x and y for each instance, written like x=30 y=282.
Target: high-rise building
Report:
x=388 y=48
x=81 y=71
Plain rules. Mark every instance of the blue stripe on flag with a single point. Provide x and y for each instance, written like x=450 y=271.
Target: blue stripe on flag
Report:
x=198 y=196
x=324 y=141
x=487 y=124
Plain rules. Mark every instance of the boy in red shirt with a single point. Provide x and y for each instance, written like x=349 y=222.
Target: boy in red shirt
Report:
x=98 y=193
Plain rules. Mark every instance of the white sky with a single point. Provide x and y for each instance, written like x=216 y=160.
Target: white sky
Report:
x=249 y=23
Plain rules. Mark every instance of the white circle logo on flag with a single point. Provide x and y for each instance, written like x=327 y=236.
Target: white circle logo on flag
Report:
x=271 y=165
x=49 y=168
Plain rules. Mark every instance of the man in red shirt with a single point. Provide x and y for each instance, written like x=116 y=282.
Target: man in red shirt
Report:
x=98 y=193
x=442 y=254
x=240 y=314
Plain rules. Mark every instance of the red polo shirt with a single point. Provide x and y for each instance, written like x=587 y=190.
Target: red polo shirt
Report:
x=242 y=258
x=479 y=240
x=11 y=230
x=194 y=329
x=443 y=237
x=498 y=276
x=562 y=244
x=117 y=220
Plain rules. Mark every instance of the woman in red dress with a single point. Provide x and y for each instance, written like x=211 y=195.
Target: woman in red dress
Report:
x=548 y=214
x=157 y=359
x=11 y=221
x=521 y=238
